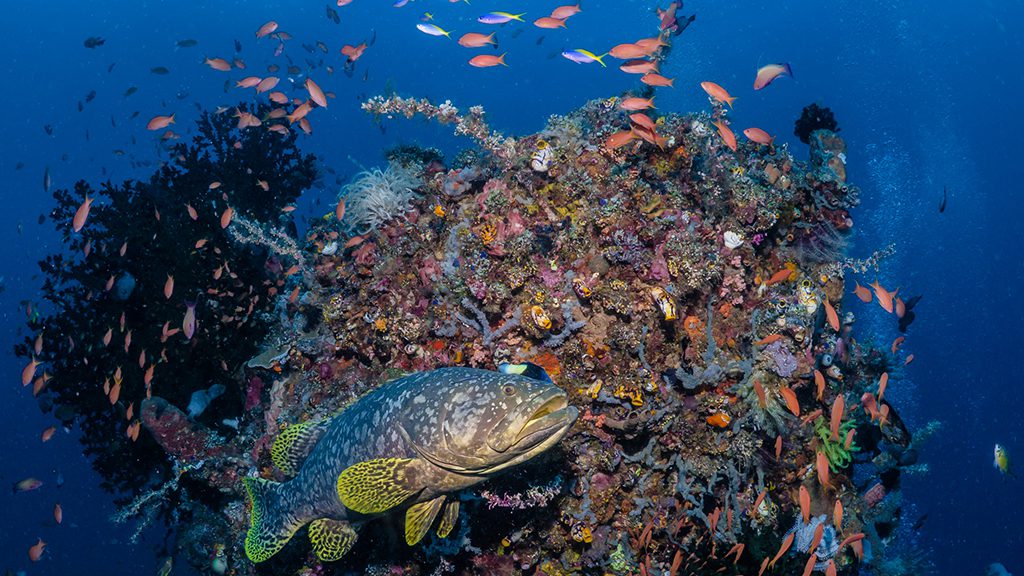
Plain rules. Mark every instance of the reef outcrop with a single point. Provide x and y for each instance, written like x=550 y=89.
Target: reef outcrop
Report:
x=688 y=296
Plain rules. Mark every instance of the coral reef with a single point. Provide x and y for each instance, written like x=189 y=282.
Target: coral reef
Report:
x=675 y=288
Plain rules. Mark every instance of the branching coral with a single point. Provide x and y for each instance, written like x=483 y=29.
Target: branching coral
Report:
x=376 y=197
x=472 y=124
x=838 y=455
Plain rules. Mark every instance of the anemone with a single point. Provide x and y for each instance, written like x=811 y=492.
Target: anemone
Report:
x=838 y=456
x=376 y=197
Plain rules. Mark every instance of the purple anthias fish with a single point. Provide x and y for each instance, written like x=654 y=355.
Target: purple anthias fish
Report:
x=499 y=17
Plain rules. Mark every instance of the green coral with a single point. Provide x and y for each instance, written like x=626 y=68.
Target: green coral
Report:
x=838 y=456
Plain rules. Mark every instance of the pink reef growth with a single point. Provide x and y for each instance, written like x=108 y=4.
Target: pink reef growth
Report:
x=532 y=498
x=179 y=436
x=253 y=392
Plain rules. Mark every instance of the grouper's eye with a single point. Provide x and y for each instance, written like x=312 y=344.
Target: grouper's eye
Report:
x=509 y=390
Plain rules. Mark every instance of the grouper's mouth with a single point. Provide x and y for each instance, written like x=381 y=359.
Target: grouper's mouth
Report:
x=553 y=414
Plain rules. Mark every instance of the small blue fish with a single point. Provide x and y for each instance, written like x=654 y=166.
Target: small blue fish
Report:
x=434 y=30
x=581 y=56
x=400 y=3
x=499 y=17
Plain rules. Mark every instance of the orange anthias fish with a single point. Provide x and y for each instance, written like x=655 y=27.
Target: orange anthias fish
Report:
x=160 y=122
x=819 y=382
x=339 y=211
x=784 y=547
x=718 y=93
x=627 y=51
x=883 y=382
x=188 y=323
x=884 y=296
x=634 y=104
x=655 y=79
x=353 y=52
x=791 y=402
x=639 y=66
x=36 y=551
x=830 y=314
x=48 y=433
x=475 y=40
x=805 y=504
x=58 y=514
x=780 y=276
x=487 y=61
x=266 y=29
x=897 y=343
x=838 y=407
x=29 y=372
x=563 y=12
x=759 y=136
x=726 y=133
x=837 y=516
x=267 y=84
x=766 y=74
x=82 y=214
x=619 y=139
x=768 y=340
x=549 y=23
x=169 y=287
x=315 y=93
x=821 y=463
x=225 y=217
x=863 y=293
x=219 y=64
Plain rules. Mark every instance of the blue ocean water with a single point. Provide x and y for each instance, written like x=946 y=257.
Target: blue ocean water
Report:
x=926 y=97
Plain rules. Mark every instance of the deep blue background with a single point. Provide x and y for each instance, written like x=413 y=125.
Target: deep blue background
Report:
x=927 y=95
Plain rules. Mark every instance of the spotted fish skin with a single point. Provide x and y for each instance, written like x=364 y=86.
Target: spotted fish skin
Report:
x=409 y=442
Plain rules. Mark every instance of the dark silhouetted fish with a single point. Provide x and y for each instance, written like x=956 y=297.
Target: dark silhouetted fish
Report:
x=160 y=70
x=908 y=314
x=942 y=205
x=48 y=128
x=131 y=90
x=186 y=43
x=93 y=42
x=238 y=46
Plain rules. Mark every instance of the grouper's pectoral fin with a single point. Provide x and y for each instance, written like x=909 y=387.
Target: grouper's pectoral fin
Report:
x=375 y=486
x=419 y=518
x=294 y=443
x=448 y=518
x=331 y=539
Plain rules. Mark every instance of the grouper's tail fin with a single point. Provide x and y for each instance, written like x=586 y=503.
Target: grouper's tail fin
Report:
x=271 y=524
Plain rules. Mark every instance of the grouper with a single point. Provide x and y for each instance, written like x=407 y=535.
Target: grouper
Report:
x=409 y=444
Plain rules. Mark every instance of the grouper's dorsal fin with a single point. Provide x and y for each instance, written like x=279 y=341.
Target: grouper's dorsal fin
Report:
x=331 y=539
x=375 y=486
x=419 y=518
x=448 y=519
x=294 y=443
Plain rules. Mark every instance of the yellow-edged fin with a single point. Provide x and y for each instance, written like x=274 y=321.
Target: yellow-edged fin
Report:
x=448 y=518
x=378 y=485
x=270 y=527
x=419 y=518
x=293 y=445
x=331 y=539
